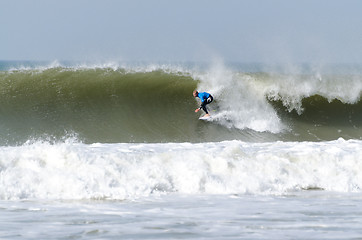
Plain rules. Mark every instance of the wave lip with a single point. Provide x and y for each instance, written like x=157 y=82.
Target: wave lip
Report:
x=128 y=171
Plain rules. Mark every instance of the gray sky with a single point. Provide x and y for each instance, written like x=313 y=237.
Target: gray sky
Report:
x=182 y=30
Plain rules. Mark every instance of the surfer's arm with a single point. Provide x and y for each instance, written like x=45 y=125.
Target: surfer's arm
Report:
x=198 y=109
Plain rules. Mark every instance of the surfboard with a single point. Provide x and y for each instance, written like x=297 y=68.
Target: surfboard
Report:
x=205 y=118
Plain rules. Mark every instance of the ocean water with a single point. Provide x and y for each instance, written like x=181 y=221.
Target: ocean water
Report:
x=116 y=151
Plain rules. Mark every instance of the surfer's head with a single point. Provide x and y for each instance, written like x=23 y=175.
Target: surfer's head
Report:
x=195 y=93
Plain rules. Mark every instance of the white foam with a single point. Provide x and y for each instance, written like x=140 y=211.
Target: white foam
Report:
x=114 y=65
x=241 y=103
x=38 y=67
x=127 y=171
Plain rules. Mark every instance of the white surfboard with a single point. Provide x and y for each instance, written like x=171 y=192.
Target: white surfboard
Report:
x=205 y=118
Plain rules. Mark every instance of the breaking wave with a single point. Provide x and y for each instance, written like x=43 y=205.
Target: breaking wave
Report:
x=153 y=103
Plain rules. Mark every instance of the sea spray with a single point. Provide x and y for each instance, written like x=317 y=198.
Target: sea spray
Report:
x=240 y=105
x=292 y=89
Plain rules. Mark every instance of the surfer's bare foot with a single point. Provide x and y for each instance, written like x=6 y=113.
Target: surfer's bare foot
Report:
x=207 y=115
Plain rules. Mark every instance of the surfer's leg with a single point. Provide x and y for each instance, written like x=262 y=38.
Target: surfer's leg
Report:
x=207 y=101
x=203 y=107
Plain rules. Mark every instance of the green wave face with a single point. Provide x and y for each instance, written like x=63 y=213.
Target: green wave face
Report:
x=99 y=105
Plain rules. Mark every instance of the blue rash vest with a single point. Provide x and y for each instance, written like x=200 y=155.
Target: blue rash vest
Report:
x=203 y=96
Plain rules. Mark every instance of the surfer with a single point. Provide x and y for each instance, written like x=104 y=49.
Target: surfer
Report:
x=206 y=98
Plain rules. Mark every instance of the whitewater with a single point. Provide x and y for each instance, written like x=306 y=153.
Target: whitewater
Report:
x=109 y=151
x=129 y=171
